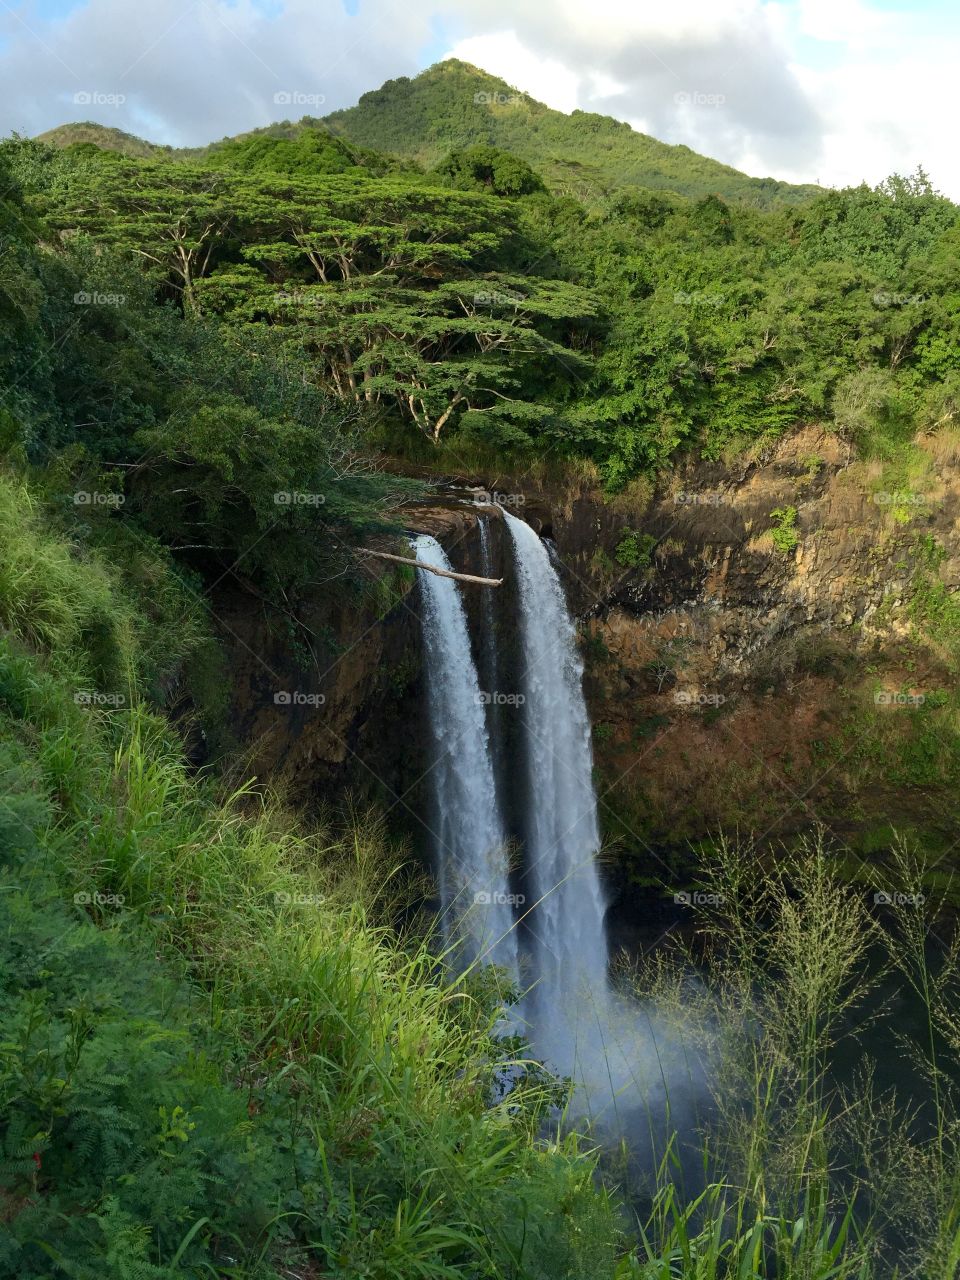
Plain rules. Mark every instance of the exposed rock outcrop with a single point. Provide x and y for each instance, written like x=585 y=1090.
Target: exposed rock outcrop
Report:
x=754 y=650
x=768 y=671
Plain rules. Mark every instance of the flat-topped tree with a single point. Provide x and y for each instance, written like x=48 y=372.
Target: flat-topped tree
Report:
x=176 y=226
x=351 y=225
x=391 y=288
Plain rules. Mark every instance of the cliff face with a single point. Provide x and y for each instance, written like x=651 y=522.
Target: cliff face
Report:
x=770 y=671
x=335 y=704
x=769 y=645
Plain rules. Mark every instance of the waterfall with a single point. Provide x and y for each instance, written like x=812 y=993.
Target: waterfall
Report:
x=490 y=658
x=619 y=1053
x=471 y=846
x=486 y=565
x=561 y=831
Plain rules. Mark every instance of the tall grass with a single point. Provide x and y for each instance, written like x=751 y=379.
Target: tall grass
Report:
x=336 y=1106
x=811 y=1172
x=219 y=1053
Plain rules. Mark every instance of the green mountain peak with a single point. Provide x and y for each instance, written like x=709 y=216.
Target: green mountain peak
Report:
x=454 y=104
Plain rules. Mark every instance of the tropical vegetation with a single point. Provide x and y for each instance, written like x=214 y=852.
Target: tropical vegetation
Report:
x=228 y=1042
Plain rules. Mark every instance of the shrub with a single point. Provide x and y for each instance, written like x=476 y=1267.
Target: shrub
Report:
x=635 y=550
x=784 y=535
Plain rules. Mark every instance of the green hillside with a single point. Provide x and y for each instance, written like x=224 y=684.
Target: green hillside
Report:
x=453 y=105
x=107 y=139
x=305 y=147
x=236 y=1036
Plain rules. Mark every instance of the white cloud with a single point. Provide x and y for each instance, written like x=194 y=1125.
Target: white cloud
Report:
x=887 y=115
x=836 y=90
x=503 y=55
x=846 y=22
x=885 y=91
x=716 y=77
x=204 y=68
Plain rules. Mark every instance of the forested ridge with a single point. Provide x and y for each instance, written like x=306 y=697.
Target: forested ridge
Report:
x=454 y=104
x=226 y=1048
x=468 y=303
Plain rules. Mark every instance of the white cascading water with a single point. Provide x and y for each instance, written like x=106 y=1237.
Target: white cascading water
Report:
x=619 y=1053
x=486 y=566
x=562 y=836
x=472 y=849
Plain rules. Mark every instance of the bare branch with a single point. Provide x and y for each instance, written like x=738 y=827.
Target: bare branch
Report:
x=441 y=573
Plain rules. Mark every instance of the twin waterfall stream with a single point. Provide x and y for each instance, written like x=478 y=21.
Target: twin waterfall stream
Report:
x=541 y=920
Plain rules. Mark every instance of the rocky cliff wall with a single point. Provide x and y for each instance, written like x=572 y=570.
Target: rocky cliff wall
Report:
x=332 y=703
x=769 y=645
x=784 y=653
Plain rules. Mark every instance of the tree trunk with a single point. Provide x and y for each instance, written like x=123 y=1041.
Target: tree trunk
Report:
x=441 y=573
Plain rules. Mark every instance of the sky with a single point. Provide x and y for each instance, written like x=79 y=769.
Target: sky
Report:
x=829 y=91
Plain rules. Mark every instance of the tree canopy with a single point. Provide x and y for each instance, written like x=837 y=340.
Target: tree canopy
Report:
x=472 y=302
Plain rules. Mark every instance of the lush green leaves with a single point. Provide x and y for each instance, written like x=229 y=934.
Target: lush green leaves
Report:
x=482 y=168
x=487 y=307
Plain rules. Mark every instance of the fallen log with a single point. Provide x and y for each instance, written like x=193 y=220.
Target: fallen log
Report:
x=441 y=573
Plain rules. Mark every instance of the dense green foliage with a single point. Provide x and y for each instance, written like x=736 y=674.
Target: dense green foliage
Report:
x=474 y=307
x=309 y=153
x=454 y=105
x=483 y=168
x=218 y=1054
x=202 y=437
x=211 y=1057
x=401 y=298
x=728 y=327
